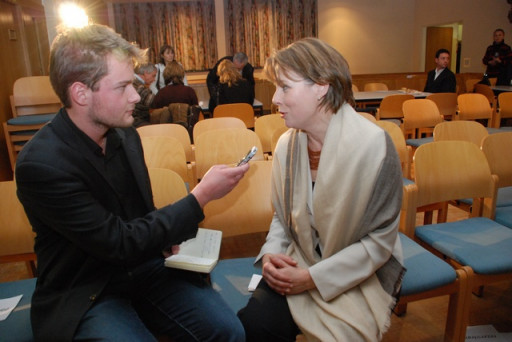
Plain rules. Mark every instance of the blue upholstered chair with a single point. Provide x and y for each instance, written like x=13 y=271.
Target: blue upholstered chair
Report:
x=16 y=327
x=420 y=118
x=448 y=170
x=244 y=216
x=33 y=104
x=497 y=149
x=428 y=276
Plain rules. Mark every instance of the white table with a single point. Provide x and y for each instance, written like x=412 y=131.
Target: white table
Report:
x=257 y=105
x=364 y=97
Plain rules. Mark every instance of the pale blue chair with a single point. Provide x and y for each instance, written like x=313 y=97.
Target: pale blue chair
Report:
x=447 y=170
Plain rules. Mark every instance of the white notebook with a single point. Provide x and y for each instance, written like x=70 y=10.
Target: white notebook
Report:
x=199 y=254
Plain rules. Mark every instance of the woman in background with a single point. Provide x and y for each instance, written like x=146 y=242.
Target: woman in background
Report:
x=232 y=87
x=332 y=260
x=166 y=56
x=175 y=91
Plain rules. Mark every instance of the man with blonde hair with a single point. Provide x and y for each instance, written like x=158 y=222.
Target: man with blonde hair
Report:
x=100 y=242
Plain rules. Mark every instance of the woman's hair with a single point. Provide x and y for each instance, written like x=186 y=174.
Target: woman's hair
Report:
x=164 y=48
x=317 y=62
x=174 y=73
x=81 y=55
x=228 y=73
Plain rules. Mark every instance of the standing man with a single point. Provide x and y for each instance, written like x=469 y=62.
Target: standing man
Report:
x=100 y=242
x=145 y=74
x=241 y=62
x=497 y=58
x=441 y=79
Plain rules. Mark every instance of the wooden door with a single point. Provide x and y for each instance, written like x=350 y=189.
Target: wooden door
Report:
x=437 y=38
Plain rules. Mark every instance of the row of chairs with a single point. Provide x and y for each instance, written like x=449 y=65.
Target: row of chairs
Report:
x=217 y=140
x=230 y=215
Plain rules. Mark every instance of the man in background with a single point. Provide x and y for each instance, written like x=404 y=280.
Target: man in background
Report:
x=498 y=57
x=241 y=62
x=441 y=79
x=145 y=74
x=100 y=242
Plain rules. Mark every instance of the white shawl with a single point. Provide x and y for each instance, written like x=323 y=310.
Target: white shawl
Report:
x=355 y=209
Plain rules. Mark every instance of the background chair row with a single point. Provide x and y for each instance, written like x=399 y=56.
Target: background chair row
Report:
x=33 y=104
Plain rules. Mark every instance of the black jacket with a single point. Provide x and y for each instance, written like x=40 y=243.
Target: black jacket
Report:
x=82 y=234
x=444 y=83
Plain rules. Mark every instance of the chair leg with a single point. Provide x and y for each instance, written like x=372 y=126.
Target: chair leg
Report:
x=458 y=308
x=400 y=309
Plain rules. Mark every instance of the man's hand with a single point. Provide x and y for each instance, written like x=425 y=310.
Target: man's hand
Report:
x=218 y=182
x=283 y=276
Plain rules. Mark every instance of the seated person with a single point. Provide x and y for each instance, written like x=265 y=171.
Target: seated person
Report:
x=441 y=79
x=144 y=75
x=232 y=87
x=241 y=62
x=100 y=241
x=175 y=91
x=332 y=260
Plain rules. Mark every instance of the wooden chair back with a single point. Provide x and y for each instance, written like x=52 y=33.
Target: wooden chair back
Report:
x=172 y=130
x=404 y=151
x=473 y=106
x=33 y=95
x=470 y=84
x=368 y=116
x=446 y=103
x=275 y=137
x=265 y=126
x=247 y=208
x=486 y=91
x=16 y=235
x=449 y=170
x=355 y=89
x=391 y=106
x=243 y=111
x=16 y=136
x=167 y=186
x=375 y=86
x=497 y=149
x=216 y=123
x=167 y=153
x=224 y=146
x=460 y=130
x=505 y=108
x=420 y=117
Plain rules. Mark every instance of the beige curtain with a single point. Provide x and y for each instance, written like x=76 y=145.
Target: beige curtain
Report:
x=188 y=26
x=257 y=27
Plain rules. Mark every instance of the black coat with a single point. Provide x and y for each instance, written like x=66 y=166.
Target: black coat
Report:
x=444 y=83
x=82 y=234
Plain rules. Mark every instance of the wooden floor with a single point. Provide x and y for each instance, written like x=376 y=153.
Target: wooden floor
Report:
x=424 y=320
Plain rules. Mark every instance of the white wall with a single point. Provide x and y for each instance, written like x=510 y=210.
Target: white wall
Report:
x=374 y=36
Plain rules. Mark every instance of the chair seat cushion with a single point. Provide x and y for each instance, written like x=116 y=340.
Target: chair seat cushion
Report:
x=504 y=216
x=418 y=142
x=481 y=243
x=425 y=271
x=17 y=325
x=504 y=198
x=31 y=119
x=231 y=279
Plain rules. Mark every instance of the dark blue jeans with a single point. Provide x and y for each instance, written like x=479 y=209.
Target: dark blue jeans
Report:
x=161 y=301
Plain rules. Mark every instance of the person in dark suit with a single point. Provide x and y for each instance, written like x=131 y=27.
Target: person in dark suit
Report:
x=232 y=87
x=441 y=79
x=100 y=242
x=241 y=62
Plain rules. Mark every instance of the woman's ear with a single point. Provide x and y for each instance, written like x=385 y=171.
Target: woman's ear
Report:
x=79 y=93
x=321 y=90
